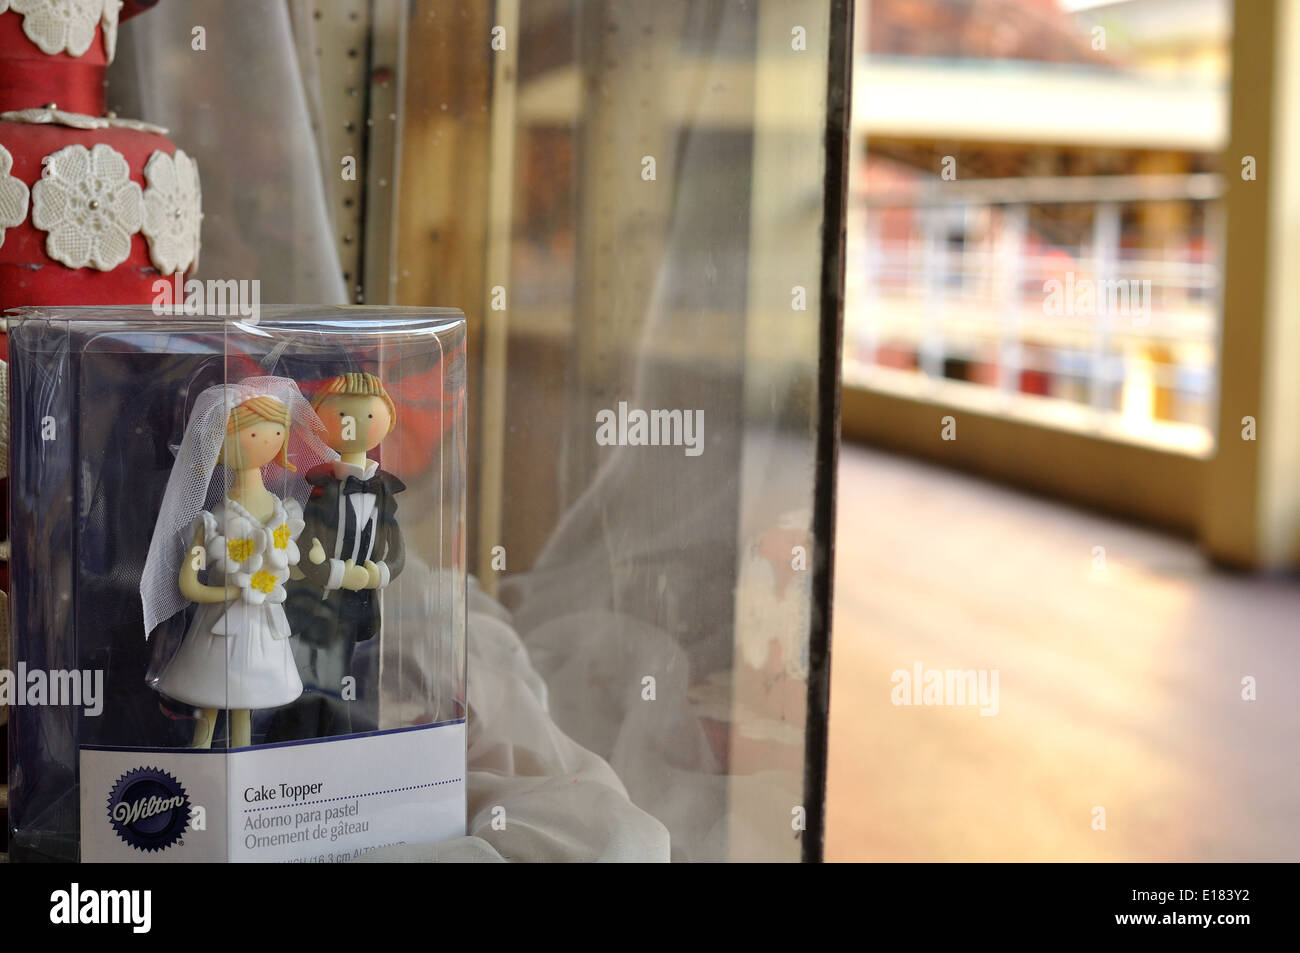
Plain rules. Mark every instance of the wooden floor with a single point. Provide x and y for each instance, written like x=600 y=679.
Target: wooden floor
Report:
x=1120 y=686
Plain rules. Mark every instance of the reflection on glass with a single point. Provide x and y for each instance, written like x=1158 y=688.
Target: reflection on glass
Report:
x=666 y=260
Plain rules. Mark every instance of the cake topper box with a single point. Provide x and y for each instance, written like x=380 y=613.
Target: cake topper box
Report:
x=299 y=690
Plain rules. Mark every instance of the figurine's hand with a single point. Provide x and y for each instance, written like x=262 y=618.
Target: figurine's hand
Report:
x=354 y=577
x=375 y=575
x=317 y=552
x=211 y=595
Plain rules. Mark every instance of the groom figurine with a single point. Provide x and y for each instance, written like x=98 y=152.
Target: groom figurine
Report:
x=353 y=550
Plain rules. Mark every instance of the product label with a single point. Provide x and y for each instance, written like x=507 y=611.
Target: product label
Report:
x=316 y=802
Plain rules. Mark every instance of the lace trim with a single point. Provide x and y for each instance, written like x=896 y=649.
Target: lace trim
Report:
x=172 y=211
x=54 y=116
x=88 y=204
x=13 y=194
x=57 y=26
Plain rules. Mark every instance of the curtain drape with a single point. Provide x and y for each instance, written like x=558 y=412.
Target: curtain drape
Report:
x=226 y=79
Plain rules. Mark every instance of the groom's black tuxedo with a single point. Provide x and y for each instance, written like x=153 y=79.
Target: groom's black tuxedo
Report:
x=353 y=512
x=354 y=515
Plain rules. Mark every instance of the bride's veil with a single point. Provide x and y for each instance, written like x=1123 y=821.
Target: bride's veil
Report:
x=196 y=483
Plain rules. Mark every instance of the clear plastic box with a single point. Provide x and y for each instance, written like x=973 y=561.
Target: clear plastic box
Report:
x=313 y=709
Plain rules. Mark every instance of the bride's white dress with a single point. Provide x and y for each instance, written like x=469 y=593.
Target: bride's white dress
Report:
x=236 y=654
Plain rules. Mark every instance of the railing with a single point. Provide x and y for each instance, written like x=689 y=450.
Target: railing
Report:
x=1029 y=287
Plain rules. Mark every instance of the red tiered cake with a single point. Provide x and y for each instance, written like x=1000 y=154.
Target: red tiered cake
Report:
x=93 y=209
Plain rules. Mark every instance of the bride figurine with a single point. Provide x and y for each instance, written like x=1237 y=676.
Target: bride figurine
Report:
x=235 y=653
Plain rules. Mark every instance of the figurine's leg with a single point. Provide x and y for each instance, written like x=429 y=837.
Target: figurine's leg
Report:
x=241 y=728
x=204 y=727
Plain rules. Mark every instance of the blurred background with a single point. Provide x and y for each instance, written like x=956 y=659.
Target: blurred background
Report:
x=1002 y=145
x=1069 y=306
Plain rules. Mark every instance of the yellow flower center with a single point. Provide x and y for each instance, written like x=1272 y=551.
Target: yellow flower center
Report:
x=281 y=535
x=263 y=581
x=239 y=549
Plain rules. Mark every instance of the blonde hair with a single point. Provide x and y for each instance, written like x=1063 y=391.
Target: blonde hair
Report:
x=356 y=384
x=261 y=408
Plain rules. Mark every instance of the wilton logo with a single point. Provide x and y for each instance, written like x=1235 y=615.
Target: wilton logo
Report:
x=143 y=810
x=75 y=906
x=177 y=296
x=949 y=687
x=149 y=809
x=81 y=689
x=656 y=428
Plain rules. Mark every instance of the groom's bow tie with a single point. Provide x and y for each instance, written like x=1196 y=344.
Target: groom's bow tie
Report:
x=357 y=485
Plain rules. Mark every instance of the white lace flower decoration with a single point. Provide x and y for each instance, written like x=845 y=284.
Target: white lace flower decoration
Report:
x=53 y=115
x=112 y=10
x=114 y=121
x=58 y=25
x=172 y=211
x=13 y=194
x=88 y=204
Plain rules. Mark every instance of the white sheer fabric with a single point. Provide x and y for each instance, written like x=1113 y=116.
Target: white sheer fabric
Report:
x=240 y=107
x=534 y=793
x=676 y=566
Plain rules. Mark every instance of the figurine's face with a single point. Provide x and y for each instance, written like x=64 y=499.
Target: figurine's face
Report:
x=254 y=445
x=354 y=423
